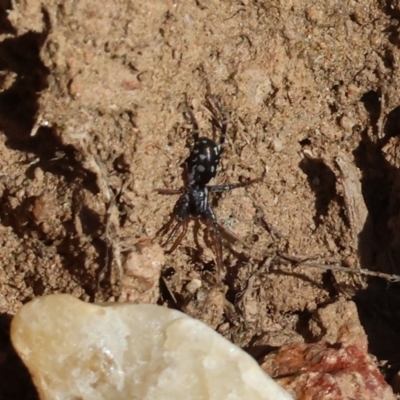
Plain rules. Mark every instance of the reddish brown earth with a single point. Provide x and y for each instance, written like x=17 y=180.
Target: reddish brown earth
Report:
x=92 y=124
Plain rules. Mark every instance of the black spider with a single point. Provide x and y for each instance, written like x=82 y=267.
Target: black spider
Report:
x=201 y=167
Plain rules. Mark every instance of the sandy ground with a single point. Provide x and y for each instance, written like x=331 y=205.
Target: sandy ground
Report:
x=92 y=124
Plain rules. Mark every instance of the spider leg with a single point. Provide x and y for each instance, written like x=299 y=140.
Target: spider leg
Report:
x=164 y=229
x=224 y=188
x=195 y=131
x=184 y=224
x=170 y=191
x=212 y=223
x=228 y=234
x=219 y=116
x=181 y=215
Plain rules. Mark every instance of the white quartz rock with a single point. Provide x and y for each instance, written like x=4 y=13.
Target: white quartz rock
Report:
x=75 y=350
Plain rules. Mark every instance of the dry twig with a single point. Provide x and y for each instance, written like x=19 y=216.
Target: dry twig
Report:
x=335 y=267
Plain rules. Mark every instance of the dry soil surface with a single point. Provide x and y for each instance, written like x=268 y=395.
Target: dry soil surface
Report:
x=92 y=120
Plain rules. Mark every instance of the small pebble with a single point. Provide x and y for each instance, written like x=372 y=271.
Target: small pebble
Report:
x=277 y=145
x=346 y=123
x=193 y=286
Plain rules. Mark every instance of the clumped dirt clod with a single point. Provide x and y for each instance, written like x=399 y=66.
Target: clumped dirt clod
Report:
x=91 y=125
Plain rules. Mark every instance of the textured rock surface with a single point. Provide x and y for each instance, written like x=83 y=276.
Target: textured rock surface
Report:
x=338 y=367
x=141 y=273
x=125 y=351
x=320 y=371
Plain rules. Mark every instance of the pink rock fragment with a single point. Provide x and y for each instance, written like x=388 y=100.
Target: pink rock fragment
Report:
x=327 y=372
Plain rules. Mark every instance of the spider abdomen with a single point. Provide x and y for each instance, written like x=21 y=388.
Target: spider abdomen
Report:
x=202 y=163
